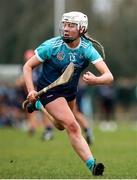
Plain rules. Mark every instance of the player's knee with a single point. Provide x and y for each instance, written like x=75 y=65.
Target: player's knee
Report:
x=73 y=127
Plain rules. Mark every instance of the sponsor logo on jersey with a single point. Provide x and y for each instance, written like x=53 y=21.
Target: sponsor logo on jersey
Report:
x=49 y=95
x=60 y=56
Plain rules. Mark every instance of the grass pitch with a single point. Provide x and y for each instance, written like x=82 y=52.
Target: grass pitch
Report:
x=22 y=156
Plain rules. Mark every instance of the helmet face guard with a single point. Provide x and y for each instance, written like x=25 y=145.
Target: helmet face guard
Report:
x=77 y=18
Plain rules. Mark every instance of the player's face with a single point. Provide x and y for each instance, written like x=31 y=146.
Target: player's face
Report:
x=70 y=30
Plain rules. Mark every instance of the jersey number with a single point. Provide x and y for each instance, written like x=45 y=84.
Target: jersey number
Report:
x=72 y=57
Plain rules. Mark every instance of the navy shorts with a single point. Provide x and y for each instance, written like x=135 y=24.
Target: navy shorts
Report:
x=52 y=94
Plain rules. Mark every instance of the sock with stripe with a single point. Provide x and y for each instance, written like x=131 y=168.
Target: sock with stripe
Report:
x=90 y=163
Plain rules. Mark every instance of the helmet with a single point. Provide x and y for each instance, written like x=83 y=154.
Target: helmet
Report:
x=76 y=17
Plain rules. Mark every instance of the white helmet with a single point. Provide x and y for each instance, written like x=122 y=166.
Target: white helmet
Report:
x=76 y=17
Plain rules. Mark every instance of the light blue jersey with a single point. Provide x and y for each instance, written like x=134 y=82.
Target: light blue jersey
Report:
x=56 y=55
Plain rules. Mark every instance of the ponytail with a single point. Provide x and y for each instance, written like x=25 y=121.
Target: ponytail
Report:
x=95 y=42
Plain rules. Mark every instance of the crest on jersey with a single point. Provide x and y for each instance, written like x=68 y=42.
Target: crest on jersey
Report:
x=60 y=56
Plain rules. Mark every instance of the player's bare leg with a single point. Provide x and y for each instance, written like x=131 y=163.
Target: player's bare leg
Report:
x=53 y=120
x=60 y=110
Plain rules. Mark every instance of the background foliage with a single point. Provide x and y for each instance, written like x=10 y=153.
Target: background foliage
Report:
x=25 y=24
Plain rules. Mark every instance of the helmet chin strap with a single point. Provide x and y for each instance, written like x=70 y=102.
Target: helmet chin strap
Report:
x=71 y=39
x=68 y=39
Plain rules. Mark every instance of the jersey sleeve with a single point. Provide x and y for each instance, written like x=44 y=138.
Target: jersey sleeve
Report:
x=93 y=55
x=43 y=52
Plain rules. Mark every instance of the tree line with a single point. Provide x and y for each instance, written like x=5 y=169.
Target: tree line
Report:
x=27 y=23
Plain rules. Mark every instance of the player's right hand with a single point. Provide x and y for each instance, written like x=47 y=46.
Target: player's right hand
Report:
x=32 y=96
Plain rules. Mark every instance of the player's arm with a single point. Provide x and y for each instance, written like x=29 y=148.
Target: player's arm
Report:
x=27 y=72
x=105 y=77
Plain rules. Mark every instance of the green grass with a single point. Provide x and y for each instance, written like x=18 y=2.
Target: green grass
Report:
x=27 y=157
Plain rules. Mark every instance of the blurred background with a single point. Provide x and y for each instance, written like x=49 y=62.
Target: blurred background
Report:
x=25 y=24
